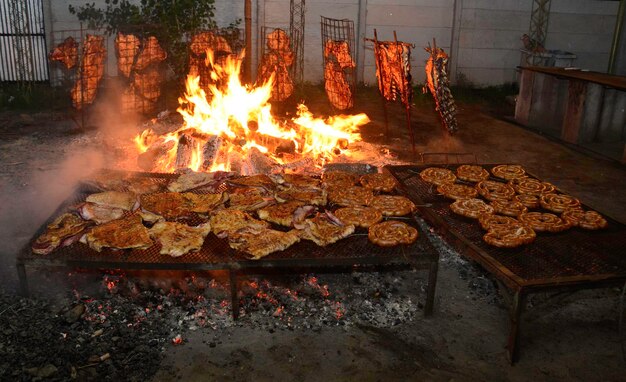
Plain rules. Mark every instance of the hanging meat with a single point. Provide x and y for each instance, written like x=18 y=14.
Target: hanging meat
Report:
x=337 y=61
x=202 y=41
x=276 y=61
x=127 y=47
x=90 y=72
x=199 y=66
x=340 y=50
x=393 y=70
x=148 y=83
x=132 y=101
x=337 y=87
x=151 y=53
x=66 y=53
x=439 y=85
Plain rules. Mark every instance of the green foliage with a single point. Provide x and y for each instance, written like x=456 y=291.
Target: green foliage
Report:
x=34 y=97
x=493 y=95
x=169 y=20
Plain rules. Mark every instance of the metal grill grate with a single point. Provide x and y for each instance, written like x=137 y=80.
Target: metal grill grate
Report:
x=216 y=254
x=575 y=254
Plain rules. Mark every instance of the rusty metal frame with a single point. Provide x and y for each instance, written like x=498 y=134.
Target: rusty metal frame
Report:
x=518 y=286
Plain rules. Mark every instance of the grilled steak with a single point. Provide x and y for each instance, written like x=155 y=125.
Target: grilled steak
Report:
x=232 y=220
x=61 y=229
x=127 y=233
x=99 y=214
x=323 y=231
x=261 y=242
x=115 y=199
x=177 y=239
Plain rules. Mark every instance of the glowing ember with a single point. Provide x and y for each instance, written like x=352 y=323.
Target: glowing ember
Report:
x=178 y=340
x=223 y=125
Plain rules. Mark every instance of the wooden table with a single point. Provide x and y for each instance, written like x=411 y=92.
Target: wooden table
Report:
x=578 y=106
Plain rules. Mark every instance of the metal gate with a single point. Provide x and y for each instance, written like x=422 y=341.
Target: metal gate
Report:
x=23 y=51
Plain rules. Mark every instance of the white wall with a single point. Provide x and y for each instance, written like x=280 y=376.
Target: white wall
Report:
x=416 y=22
x=489 y=40
x=483 y=36
x=584 y=28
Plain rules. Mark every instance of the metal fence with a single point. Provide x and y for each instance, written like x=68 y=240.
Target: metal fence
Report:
x=23 y=51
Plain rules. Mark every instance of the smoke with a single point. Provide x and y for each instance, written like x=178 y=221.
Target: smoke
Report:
x=111 y=122
x=25 y=205
x=444 y=144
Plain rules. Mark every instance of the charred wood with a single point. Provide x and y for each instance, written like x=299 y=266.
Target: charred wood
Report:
x=210 y=151
x=184 y=151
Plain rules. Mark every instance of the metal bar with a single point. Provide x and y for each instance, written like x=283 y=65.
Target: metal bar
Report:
x=379 y=68
x=519 y=300
x=617 y=36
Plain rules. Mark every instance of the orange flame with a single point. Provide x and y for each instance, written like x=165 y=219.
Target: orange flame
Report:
x=236 y=118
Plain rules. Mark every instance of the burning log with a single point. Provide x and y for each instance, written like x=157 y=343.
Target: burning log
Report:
x=148 y=160
x=237 y=162
x=274 y=144
x=184 y=151
x=210 y=151
x=259 y=163
x=66 y=53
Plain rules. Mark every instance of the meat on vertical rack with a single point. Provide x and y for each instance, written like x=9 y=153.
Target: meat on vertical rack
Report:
x=127 y=47
x=66 y=53
x=90 y=72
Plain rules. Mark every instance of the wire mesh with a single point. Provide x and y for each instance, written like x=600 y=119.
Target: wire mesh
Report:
x=140 y=66
x=576 y=254
x=225 y=42
x=77 y=65
x=215 y=253
x=90 y=71
x=339 y=61
x=297 y=10
x=277 y=58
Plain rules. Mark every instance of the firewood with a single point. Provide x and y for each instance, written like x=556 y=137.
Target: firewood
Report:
x=210 y=150
x=148 y=160
x=184 y=151
x=260 y=163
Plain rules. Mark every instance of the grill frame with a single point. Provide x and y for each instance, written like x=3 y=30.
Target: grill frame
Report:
x=465 y=235
x=215 y=254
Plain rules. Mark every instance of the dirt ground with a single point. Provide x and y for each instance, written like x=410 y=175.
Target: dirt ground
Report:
x=563 y=338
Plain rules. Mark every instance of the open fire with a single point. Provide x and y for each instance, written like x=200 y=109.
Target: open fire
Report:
x=230 y=127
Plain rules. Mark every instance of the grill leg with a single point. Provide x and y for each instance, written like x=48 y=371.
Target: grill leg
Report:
x=517 y=307
x=23 y=278
x=430 y=290
x=234 y=295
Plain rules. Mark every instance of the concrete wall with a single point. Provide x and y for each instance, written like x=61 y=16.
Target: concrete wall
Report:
x=481 y=36
x=489 y=40
x=584 y=28
x=417 y=22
